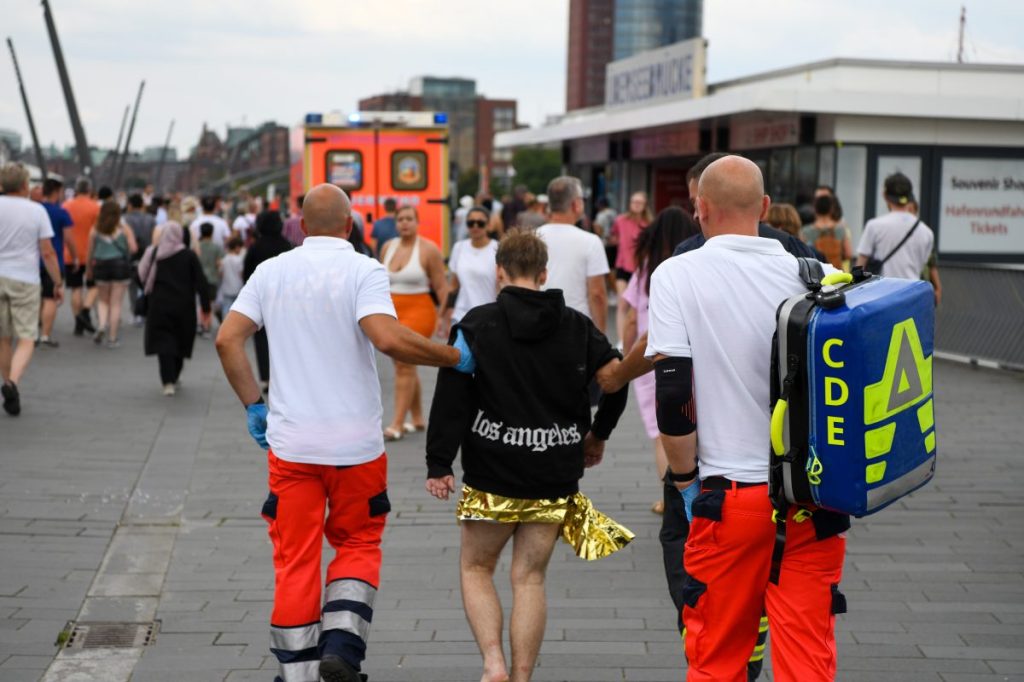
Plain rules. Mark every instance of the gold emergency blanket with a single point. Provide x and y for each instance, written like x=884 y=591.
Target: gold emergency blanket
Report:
x=591 y=534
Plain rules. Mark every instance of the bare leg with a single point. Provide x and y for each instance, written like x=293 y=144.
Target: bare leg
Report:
x=13 y=364
x=90 y=297
x=76 y=300
x=103 y=311
x=5 y=358
x=416 y=407
x=482 y=542
x=405 y=377
x=47 y=314
x=620 y=310
x=531 y=551
x=660 y=459
x=117 y=290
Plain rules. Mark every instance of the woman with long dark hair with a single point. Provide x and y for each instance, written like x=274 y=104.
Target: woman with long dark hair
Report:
x=111 y=245
x=653 y=245
x=269 y=242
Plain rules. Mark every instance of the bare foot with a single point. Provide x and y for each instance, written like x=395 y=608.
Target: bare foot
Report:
x=495 y=676
x=495 y=671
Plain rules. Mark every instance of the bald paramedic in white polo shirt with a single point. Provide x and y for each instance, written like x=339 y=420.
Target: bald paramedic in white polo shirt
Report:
x=325 y=307
x=712 y=316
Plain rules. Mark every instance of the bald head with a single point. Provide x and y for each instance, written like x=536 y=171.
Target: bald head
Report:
x=730 y=197
x=327 y=211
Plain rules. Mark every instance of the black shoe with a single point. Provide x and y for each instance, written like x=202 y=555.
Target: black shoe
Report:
x=12 y=401
x=79 y=329
x=85 y=320
x=335 y=669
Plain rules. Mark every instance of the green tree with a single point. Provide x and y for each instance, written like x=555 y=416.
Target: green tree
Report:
x=536 y=167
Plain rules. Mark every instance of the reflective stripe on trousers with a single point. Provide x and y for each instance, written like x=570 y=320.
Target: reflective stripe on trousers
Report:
x=348 y=612
x=296 y=651
x=347 y=505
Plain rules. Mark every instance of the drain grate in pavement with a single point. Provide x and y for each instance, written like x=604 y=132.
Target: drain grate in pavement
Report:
x=111 y=635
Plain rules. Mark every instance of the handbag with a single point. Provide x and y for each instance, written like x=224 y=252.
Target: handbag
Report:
x=874 y=266
x=141 y=305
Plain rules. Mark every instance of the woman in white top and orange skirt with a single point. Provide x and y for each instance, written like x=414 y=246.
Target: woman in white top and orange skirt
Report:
x=415 y=266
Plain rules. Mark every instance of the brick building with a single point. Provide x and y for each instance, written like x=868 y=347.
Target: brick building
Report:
x=472 y=118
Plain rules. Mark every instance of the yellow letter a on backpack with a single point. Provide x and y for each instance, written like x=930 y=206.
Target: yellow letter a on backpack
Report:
x=907 y=378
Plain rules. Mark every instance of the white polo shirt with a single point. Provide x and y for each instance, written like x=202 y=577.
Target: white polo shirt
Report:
x=717 y=305
x=573 y=256
x=324 y=391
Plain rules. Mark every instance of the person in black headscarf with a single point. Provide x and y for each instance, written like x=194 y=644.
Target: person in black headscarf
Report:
x=172 y=277
x=269 y=242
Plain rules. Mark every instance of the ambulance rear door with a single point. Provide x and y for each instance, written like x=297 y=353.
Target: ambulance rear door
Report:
x=413 y=164
x=345 y=157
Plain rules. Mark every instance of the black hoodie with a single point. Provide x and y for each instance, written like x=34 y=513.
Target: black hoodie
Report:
x=521 y=418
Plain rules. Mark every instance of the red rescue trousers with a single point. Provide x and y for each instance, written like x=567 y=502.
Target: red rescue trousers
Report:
x=728 y=558
x=348 y=505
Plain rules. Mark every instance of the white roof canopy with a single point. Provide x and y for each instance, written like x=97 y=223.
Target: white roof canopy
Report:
x=857 y=87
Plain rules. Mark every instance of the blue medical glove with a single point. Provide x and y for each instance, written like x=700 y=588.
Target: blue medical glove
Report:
x=689 y=495
x=256 y=416
x=467 y=363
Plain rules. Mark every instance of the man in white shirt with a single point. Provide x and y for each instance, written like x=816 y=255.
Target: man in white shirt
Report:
x=883 y=237
x=712 y=316
x=325 y=308
x=25 y=233
x=245 y=222
x=221 y=231
x=576 y=260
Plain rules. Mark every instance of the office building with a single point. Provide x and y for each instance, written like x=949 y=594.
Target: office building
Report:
x=601 y=31
x=472 y=119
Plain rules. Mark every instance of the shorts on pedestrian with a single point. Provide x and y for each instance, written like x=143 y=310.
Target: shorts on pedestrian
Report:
x=74 y=277
x=611 y=253
x=226 y=301
x=47 y=283
x=19 y=308
x=591 y=534
x=114 y=270
x=623 y=274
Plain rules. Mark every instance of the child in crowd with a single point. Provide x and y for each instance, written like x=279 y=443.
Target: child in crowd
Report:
x=210 y=255
x=231 y=268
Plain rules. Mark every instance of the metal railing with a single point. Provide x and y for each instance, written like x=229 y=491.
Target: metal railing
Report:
x=981 y=317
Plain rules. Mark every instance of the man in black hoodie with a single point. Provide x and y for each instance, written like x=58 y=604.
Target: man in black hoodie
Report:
x=524 y=426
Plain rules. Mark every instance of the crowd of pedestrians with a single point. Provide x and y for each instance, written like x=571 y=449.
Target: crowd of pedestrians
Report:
x=171 y=265
x=523 y=303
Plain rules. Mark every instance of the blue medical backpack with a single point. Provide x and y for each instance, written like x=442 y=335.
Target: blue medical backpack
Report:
x=853 y=419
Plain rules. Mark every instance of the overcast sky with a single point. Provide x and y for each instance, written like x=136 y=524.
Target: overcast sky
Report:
x=230 y=61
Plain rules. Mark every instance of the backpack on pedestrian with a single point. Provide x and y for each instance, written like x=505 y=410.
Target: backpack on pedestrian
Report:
x=831 y=242
x=853 y=421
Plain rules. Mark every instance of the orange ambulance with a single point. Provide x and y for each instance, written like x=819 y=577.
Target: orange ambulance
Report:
x=377 y=155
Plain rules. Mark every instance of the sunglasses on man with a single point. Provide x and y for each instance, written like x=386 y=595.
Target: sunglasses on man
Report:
x=476 y=223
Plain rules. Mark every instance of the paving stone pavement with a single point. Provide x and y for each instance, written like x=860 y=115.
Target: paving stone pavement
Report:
x=935 y=585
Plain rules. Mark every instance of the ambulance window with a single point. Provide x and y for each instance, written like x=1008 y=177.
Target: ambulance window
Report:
x=345 y=169
x=409 y=171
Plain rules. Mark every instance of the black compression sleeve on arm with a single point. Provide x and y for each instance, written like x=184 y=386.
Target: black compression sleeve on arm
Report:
x=673 y=392
x=609 y=408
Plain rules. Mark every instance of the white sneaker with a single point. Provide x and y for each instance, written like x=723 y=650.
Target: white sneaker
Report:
x=168 y=389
